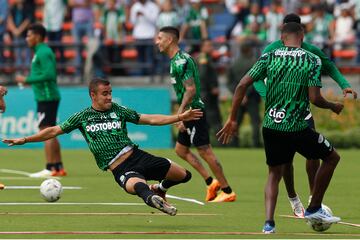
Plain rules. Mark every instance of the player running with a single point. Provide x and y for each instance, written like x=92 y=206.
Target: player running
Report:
x=185 y=80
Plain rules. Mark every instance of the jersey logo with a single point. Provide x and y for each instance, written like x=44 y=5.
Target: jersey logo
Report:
x=180 y=62
x=34 y=58
x=172 y=80
x=103 y=126
x=113 y=115
x=276 y=115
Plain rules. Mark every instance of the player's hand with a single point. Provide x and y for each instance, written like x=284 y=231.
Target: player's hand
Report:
x=337 y=108
x=347 y=91
x=180 y=126
x=227 y=132
x=3 y=91
x=2 y=105
x=20 y=78
x=16 y=141
x=191 y=114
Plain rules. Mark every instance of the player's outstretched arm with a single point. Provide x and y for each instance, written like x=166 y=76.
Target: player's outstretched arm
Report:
x=41 y=136
x=230 y=128
x=160 y=119
x=318 y=100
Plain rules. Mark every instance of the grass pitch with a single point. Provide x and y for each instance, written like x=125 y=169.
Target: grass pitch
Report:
x=130 y=218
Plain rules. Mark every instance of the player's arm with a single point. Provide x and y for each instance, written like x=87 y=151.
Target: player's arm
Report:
x=230 y=127
x=318 y=100
x=329 y=68
x=160 y=119
x=3 y=92
x=43 y=135
x=190 y=91
x=314 y=85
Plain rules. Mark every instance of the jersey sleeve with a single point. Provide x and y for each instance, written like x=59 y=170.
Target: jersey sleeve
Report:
x=72 y=123
x=258 y=71
x=187 y=70
x=328 y=67
x=315 y=73
x=130 y=115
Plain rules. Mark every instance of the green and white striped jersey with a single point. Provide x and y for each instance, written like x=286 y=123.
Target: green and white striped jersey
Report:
x=104 y=132
x=290 y=72
x=182 y=68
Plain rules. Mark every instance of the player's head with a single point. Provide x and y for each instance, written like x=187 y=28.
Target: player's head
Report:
x=100 y=93
x=292 y=33
x=292 y=17
x=36 y=33
x=167 y=37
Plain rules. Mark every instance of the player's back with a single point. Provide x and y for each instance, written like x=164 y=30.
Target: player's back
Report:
x=290 y=72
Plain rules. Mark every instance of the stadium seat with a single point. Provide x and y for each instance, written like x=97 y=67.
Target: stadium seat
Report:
x=70 y=69
x=70 y=54
x=67 y=26
x=129 y=53
x=39 y=14
x=346 y=53
x=68 y=39
x=39 y=2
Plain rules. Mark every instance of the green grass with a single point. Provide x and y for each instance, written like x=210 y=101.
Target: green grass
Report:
x=245 y=170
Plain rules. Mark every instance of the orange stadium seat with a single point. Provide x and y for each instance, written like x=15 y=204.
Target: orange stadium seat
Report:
x=68 y=39
x=69 y=53
x=67 y=26
x=129 y=53
x=346 y=53
x=70 y=69
x=39 y=14
x=39 y=2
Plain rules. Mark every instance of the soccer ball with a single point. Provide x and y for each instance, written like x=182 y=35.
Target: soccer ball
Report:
x=319 y=226
x=50 y=190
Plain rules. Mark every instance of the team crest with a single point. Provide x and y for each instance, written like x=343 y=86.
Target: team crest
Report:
x=113 y=115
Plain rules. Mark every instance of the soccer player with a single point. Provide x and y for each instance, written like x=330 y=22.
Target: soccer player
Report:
x=293 y=77
x=42 y=79
x=185 y=79
x=327 y=67
x=103 y=126
x=3 y=91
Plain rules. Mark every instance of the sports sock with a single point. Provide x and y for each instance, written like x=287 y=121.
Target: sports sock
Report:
x=227 y=190
x=208 y=180
x=58 y=166
x=270 y=222
x=166 y=184
x=50 y=166
x=143 y=191
x=313 y=209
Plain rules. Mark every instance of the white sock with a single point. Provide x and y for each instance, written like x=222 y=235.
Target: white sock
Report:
x=162 y=187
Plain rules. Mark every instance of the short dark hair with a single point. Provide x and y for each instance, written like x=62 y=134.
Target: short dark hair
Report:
x=172 y=30
x=292 y=17
x=292 y=27
x=38 y=29
x=95 y=82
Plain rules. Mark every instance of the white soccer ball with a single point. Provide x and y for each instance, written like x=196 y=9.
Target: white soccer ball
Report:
x=51 y=190
x=321 y=227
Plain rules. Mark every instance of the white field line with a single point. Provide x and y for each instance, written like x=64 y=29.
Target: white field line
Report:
x=66 y=203
x=37 y=187
x=341 y=222
x=185 y=199
x=3 y=170
x=18 y=178
x=102 y=214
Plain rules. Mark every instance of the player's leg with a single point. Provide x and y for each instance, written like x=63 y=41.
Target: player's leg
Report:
x=47 y=112
x=313 y=145
x=279 y=152
x=295 y=202
x=271 y=194
x=200 y=139
x=174 y=176
x=130 y=175
x=227 y=194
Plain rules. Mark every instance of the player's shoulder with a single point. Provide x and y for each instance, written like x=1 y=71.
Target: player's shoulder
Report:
x=182 y=57
x=312 y=56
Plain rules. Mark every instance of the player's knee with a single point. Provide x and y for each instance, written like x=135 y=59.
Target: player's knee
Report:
x=187 y=177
